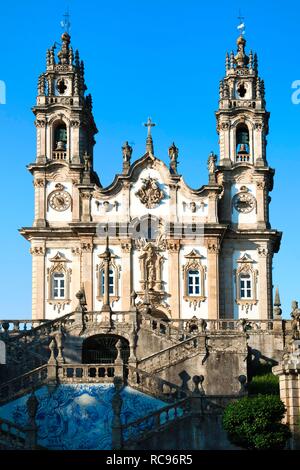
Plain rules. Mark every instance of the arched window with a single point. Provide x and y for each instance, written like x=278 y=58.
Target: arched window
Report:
x=58 y=285
x=245 y=286
x=242 y=144
x=60 y=142
x=111 y=282
x=193 y=282
x=114 y=274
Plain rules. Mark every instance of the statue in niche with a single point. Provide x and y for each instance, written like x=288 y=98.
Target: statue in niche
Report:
x=150 y=266
x=150 y=262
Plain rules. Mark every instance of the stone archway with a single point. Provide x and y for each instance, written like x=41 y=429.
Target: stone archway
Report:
x=101 y=349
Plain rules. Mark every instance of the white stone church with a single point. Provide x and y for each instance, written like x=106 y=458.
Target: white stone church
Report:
x=206 y=252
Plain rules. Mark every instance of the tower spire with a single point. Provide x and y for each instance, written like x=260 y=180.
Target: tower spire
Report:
x=149 y=141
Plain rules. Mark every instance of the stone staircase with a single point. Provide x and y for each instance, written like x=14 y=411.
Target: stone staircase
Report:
x=194 y=345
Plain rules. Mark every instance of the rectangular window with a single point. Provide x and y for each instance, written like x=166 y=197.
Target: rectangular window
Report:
x=245 y=287
x=58 y=286
x=193 y=283
x=111 y=282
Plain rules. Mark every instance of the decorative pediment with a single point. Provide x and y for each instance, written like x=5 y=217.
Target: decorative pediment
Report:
x=246 y=258
x=59 y=258
x=193 y=254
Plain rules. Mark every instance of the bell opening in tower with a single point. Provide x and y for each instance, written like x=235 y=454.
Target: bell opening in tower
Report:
x=242 y=144
x=60 y=142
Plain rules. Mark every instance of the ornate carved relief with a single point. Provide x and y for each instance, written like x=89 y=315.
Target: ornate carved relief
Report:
x=193 y=263
x=213 y=246
x=126 y=247
x=39 y=183
x=245 y=266
x=37 y=250
x=86 y=247
x=150 y=193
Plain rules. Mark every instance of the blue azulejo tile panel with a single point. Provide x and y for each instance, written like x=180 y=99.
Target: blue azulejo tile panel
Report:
x=79 y=416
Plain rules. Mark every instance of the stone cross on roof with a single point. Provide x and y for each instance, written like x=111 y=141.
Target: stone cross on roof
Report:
x=149 y=141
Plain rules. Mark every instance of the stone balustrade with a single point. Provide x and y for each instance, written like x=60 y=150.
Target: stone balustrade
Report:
x=23 y=384
x=89 y=373
x=17 y=326
x=176 y=353
x=149 y=383
x=13 y=435
x=140 y=428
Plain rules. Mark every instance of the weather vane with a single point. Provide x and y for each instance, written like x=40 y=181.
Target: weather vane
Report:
x=241 y=26
x=66 y=23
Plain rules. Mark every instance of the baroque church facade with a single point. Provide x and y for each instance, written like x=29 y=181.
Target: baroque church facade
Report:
x=186 y=252
x=151 y=301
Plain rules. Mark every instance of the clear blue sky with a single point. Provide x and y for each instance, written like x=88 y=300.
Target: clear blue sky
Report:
x=162 y=58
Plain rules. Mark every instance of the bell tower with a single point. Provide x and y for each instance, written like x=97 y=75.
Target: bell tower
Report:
x=65 y=130
x=242 y=125
x=242 y=117
x=246 y=179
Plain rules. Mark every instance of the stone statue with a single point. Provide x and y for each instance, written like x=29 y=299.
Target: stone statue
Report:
x=295 y=320
x=173 y=154
x=126 y=152
x=211 y=163
x=150 y=267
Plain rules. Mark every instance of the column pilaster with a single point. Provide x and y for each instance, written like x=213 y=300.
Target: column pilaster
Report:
x=126 y=283
x=213 y=250
x=38 y=252
x=173 y=247
x=86 y=269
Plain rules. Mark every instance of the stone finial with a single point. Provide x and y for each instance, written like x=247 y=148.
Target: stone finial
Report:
x=126 y=152
x=277 y=311
x=231 y=60
x=227 y=62
x=198 y=385
x=81 y=307
x=241 y=59
x=52 y=346
x=173 y=154
x=211 y=166
x=133 y=297
x=64 y=53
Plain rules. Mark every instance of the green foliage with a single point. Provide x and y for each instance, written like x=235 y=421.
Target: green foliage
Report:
x=255 y=423
x=267 y=384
